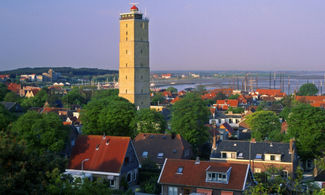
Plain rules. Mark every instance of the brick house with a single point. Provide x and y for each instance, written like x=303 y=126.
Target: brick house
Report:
x=108 y=157
x=260 y=155
x=180 y=176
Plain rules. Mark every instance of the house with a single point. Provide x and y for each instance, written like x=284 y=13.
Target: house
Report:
x=180 y=176
x=319 y=180
x=4 y=77
x=166 y=76
x=232 y=119
x=158 y=147
x=316 y=101
x=260 y=155
x=270 y=93
x=109 y=157
x=14 y=87
x=12 y=106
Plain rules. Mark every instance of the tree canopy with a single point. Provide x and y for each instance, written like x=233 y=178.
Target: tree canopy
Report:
x=265 y=125
x=188 y=118
x=41 y=132
x=37 y=101
x=99 y=94
x=307 y=89
x=172 y=89
x=74 y=97
x=112 y=116
x=307 y=125
x=11 y=97
x=3 y=91
x=150 y=121
x=157 y=99
x=5 y=118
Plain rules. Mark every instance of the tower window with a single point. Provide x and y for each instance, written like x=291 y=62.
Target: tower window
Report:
x=126 y=25
x=126 y=38
x=141 y=51
x=141 y=77
x=143 y=25
x=126 y=32
x=126 y=77
x=126 y=65
x=126 y=51
x=126 y=91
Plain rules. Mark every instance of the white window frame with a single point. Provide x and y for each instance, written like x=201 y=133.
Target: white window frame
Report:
x=145 y=154
x=172 y=190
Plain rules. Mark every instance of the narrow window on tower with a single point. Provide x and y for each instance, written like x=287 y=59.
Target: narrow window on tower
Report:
x=126 y=25
x=143 y=25
x=126 y=51
x=141 y=51
x=141 y=77
x=126 y=38
x=126 y=65
x=126 y=91
x=126 y=33
x=126 y=77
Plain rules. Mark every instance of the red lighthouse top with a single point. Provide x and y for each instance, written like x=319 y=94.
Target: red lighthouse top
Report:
x=134 y=8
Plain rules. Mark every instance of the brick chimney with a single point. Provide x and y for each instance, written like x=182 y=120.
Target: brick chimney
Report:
x=197 y=161
x=214 y=143
x=253 y=140
x=291 y=149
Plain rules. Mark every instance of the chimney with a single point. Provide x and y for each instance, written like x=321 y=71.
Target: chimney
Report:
x=291 y=150
x=104 y=136
x=173 y=135
x=253 y=140
x=197 y=161
x=214 y=143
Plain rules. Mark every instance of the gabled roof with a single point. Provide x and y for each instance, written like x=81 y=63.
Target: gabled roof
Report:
x=227 y=127
x=270 y=92
x=108 y=158
x=256 y=148
x=232 y=103
x=195 y=174
x=160 y=143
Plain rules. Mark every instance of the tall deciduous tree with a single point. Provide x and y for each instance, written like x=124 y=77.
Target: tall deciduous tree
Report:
x=112 y=116
x=5 y=118
x=74 y=97
x=3 y=91
x=11 y=97
x=37 y=101
x=188 y=118
x=41 y=132
x=172 y=89
x=307 y=125
x=150 y=121
x=265 y=125
x=307 y=89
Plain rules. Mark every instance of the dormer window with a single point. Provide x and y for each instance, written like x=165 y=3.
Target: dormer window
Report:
x=160 y=155
x=259 y=156
x=145 y=154
x=215 y=174
x=240 y=155
x=180 y=170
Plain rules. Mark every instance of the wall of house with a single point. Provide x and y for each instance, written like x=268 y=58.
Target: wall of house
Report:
x=130 y=165
x=188 y=190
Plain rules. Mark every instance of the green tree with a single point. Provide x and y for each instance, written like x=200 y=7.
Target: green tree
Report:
x=234 y=97
x=41 y=132
x=220 y=96
x=37 y=101
x=307 y=125
x=150 y=121
x=265 y=125
x=236 y=110
x=200 y=89
x=5 y=118
x=112 y=116
x=188 y=118
x=23 y=171
x=307 y=89
x=74 y=97
x=11 y=97
x=158 y=98
x=173 y=90
x=3 y=91
x=99 y=94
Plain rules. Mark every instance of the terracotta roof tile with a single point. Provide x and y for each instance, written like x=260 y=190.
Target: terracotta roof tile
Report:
x=195 y=174
x=108 y=158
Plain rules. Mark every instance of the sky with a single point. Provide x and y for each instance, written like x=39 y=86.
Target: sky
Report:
x=184 y=34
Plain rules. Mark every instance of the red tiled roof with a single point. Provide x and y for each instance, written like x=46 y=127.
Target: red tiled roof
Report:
x=108 y=158
x=221 y=101
x=134 y=8
x=232 y=103
x=195 y=174
x=316 y=101
x=167 y=93
x=270 y=92
x=14 y=87
x=175 y=100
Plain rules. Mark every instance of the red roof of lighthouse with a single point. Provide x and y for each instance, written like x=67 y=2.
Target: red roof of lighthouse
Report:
x=134 y=8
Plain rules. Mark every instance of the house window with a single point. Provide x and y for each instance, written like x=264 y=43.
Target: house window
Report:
x=257 y=170
x=145 y=154
x=134 y=176
x=180 y=170
x=284 y=173
x=111 y=182
x=258 y=156
x=272 y=157
x=240 y=155
x=126 y=160
x=224 y=155
x=172 y=191
x=129 y=177
x=160 y=155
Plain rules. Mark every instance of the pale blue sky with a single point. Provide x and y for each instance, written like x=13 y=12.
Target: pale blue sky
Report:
x=184 y=34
